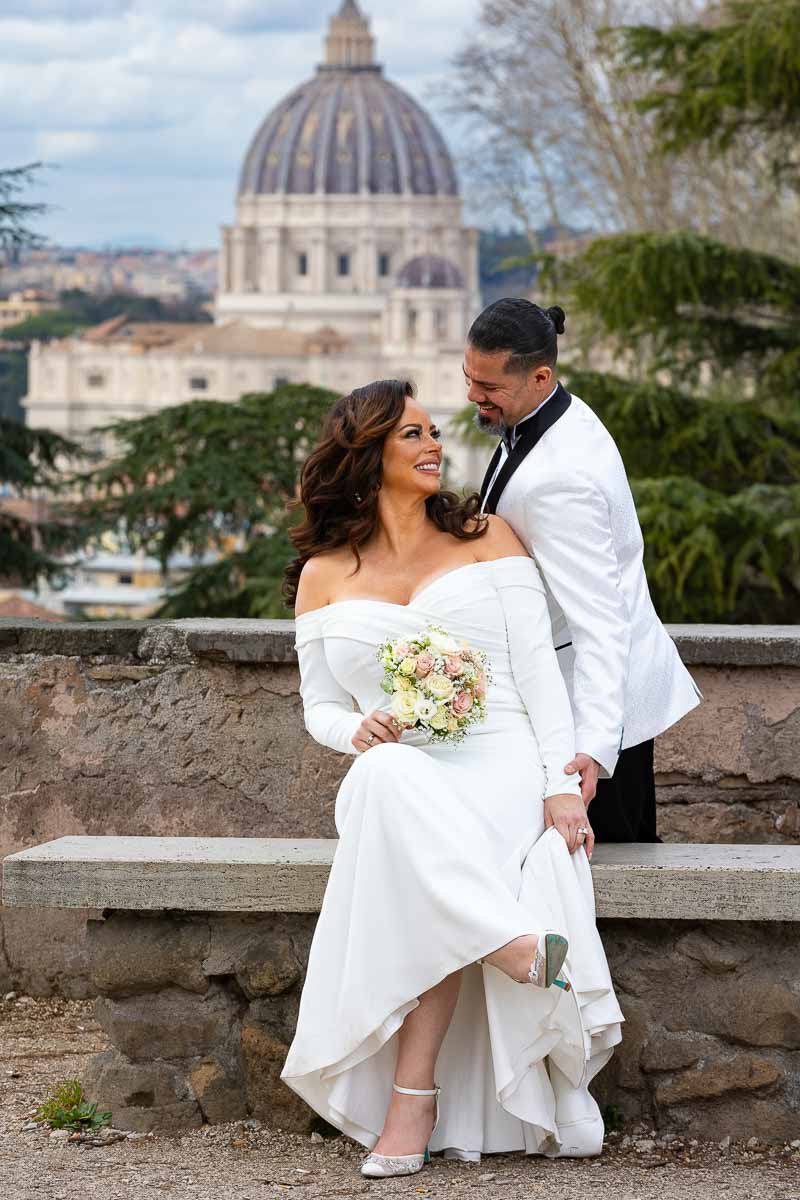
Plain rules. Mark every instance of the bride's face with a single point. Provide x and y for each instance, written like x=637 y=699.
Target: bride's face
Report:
x=412 y=453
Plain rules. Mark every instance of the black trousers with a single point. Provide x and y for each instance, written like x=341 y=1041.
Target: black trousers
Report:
x=624 y=807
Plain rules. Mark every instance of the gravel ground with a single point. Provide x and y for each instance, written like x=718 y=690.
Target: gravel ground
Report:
x=43 y=1042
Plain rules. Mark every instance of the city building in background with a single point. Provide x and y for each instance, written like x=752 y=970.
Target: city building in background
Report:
x=167 y=275
x=20 y=306
x=348 y=261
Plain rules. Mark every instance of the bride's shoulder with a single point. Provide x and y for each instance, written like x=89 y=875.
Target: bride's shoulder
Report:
x=499 y=541
x=315 y=586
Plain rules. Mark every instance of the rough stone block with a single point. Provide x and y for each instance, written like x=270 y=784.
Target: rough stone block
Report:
x=268 y=1098
x=268 y=967
x=276 y=1015
x=130 y=954
x=142 y=1096
x=665 y=1051
x=266 y=953
x=171 y=1023
x=46 y=952
x=219 y=1092
x=720 y=1072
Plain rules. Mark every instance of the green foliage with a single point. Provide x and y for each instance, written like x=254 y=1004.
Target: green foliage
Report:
x=612 y=1118
x=32 y=460
x=721 y=81
x=66 y=1108
x=54 y=323
x=707 y=420
x=687 y=303
x=201 y=475
x=13 y=383
x=716 y=557
x=16 y=214
x=720 y=442
x=90 y=308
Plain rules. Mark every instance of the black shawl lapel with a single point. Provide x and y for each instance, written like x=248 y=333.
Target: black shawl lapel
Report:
x=530 y=433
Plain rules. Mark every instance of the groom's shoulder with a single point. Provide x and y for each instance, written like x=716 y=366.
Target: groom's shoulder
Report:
x=580 y=437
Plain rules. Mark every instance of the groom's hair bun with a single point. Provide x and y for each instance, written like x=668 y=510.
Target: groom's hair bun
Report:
x=525 y=331
x=557 y=315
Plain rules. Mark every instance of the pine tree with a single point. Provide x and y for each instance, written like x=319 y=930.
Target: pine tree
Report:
x=204 y=475
x=706 y=407
x=33 y=464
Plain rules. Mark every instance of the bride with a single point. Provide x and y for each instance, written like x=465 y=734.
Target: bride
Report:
x=457 y=998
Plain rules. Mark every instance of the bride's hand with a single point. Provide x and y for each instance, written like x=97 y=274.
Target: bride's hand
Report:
x=378 y=727
x=568 y=814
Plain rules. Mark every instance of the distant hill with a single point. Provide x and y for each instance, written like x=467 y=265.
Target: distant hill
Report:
x=497 y=246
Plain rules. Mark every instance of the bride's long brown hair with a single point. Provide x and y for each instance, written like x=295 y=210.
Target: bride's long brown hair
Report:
x=341 y=479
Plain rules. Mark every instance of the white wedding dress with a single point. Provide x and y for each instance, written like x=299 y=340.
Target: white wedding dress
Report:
x=442 y=859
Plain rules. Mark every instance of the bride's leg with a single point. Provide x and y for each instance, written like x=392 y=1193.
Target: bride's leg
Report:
x=515 y=957
x=408 y=1123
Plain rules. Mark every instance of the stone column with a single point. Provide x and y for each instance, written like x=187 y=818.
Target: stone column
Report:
x=457 y=320
x=319 y=261
x=239 y=259
x=426 y=326
x=471 y=238
x=270 y=260
x=367 y=263
x=224 y=264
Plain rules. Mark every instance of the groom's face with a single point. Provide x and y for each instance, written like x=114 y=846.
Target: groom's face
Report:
x=502 y=398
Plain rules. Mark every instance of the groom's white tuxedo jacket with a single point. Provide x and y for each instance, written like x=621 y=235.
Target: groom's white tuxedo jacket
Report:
x=564 y=491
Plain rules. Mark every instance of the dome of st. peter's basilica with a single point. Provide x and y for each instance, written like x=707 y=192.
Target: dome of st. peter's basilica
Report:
x=348 y=130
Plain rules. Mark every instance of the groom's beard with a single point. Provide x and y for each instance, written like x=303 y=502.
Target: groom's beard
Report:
x=498 y=428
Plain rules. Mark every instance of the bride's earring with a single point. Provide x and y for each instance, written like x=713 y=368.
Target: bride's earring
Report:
x=357 y=498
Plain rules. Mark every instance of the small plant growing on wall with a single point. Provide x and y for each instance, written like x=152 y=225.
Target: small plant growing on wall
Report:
x=66 y=1108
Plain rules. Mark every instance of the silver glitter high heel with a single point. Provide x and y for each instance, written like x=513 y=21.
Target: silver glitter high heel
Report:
x=383 y=1166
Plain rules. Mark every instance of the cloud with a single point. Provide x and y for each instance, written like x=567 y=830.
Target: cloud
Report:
x=147 y=103
x=64 y=144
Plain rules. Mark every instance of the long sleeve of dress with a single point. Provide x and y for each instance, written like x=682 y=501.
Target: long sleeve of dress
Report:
x=327 y=707
x=536 y=671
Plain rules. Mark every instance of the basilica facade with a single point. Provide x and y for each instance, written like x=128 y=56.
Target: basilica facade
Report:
x=348 y=261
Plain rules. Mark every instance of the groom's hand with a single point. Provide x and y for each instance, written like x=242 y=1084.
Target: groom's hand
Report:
x=589 y=770
x=568 y=814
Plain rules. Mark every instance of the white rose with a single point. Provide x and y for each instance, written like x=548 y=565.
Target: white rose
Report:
x=404 y=705
x=439 y=686
x=440 y=643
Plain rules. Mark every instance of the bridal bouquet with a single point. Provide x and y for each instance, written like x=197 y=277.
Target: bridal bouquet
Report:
x=437 y=684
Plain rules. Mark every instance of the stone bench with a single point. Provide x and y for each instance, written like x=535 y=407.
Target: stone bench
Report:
x=199 y=957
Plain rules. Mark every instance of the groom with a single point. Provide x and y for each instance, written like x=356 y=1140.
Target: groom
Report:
x=558 y=479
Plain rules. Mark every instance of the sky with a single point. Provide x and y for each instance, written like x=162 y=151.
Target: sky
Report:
x=145 y=108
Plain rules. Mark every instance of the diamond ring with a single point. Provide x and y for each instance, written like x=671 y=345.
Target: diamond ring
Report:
x=370 y=739
x=582 y=829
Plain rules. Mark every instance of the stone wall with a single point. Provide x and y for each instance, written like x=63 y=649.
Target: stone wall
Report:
x=200 y=1010
x=195 y=728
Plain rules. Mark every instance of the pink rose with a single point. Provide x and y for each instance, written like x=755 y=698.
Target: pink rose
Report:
x=462 y=704
x=402 y=649
x=425 y=664
x=453 y=666
x=480 y=685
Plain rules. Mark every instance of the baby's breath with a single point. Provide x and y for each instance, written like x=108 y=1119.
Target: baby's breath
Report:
x=437 y=683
